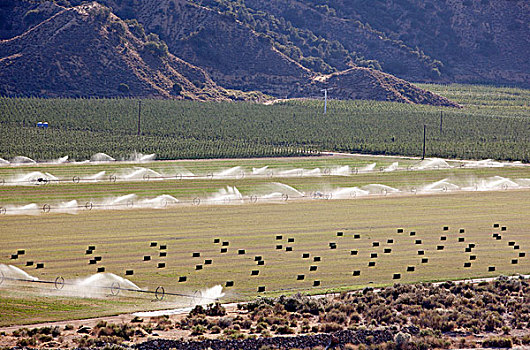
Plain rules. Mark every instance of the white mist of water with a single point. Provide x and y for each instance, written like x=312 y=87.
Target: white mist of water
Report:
x=392 y=167
x=141 y=158
x=179 y=173
x=486 y=163
x=379 y=189
x=291 y=173
x=496 y=183
x=236 y=171
x=60 y=160
x=22 y=160
x=95 y=177
x=367 y=168
x=348 y=193
x=31 y=178
x=228 y=195
x=97 y=285
x=159 y=202
x=341 y=171
x=204 y=297
x=442 y=185
x=10 y=271
x=4 y=162
x=69 y=207
x=139 y=173
x=120 y=202
x=101 y=157
x=286 y=189
x=432 y=163
x=28 y=209
x=261 y=171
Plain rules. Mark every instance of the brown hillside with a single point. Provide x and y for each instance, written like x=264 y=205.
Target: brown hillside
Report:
x=88 y=51
x=370 y=84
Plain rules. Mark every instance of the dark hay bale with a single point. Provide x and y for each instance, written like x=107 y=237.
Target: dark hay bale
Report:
x=316 y=283
x=472 y=257
x=288 y=249
x=40 y=265
x=279 y=246
x=229 y=283
x=129 y=272
x=424 y=260
x=412 y=233
x=503 y=228
x=208 y=262
x=313 y=268
x=461 y=230
x=300 y=277
x=279 y=237
x=511 y=243
x=399 y=230
x=496 y=225
x=101 y=269
x=373 y=255
x=226 y=244
x=410 y=268
x=356 y=236
x=357 y=272
x=290 y=240
x=390 y=241
x=371 y=263
x=396 y=276
x=471 y=245
x=261 y=262
x=467 y=264
x=147 y=257
x=14 y=256
x=241 y=251
x=440 y=247
x=92 y=247
x=305 y=256
x=161 y=265
x=461 y=239
x=163 y=254
x=340 y=234
x=468 y=250
x=491 y=268
x=163 y=247
x=516 y=247
x=421 y=252
x=198 y=267
x=97 y=258
x=254 y=272
x=375 y=244
x=498 y=238
x=515 y=261
x=418 y=241
x=183 y=279
x=88 y=252
x=446 y=228
x=443 y=238
x=354 y=252
x=317 y=258
x=195 y=255
x=261 y=289
x=224 y=250
x=387 y=251
x=30 y=263
x=522 y=254
x=258 y=258
x=153 y=244
x=216 y=240
x=21 y=252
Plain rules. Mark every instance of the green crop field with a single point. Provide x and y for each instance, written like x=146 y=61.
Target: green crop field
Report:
x=288 y=235
x=493 y=123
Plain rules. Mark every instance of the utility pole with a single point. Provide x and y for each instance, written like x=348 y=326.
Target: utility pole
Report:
x=325 y=100
x=424 y=130
x=441 y=121
x=139 y=116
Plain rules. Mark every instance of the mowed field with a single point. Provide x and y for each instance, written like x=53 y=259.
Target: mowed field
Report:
x=306 y=244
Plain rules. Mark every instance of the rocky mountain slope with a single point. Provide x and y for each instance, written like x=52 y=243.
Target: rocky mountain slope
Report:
x=228 y=49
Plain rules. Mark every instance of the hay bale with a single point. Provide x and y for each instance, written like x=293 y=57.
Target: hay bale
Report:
x=522 y=254
x=390 y=241
x=163 y=254
x=399 y=230
x=396 y=276
x=461 y=230
x=514 y=261
x=183 y=279
x=30 y=263
x=313 y=268
x=503 y=228
x=216 y=240
x=258 y=258
x=261 y=289
x=254 y=272
x=471 y=245
x=14 y=256
x=472 y=257
x=418 y=241
x=354 y=252
x=491 y=268
x=498 y=238
x=461 y=239
x=496 y=225
x=92 y=247
x=21 y=252
x=424 y=260
x=421 y=252
x=305 y=256
x=161 y=265
x=279 y=246
x=316 y=283
x=129 y=272
x=446 y=228
x=410 y=268
x=97 y=258
x=340 y=234
x=375 y=244
x=279 y=237
x=198 y=267
x=163 y=247
x=147 y=257
x=288 y=249
x=101 y=269
x=387 y=251
x=153 y=244
x=224 y=250
x=356 y=236
x=443 y=238
x=208 y=262
x=261 y=262
x=196 y=255
x=516 y=247
x=357 y=272
x=468 y=250
x=332 y=246
x=467 y=264
x=495 y=235
x=290 y=240
x=88 y=252
x=241 y=251
x=412 y=233
x=371 y=263
x=229 y=284
x=300 y=277
x=373 y=255
x=40 y=265
x=317 y=259
x=440 y=247
x=511 y=243
x=226 y=244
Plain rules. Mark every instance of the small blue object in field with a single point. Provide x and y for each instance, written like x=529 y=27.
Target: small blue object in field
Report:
x=42 y=125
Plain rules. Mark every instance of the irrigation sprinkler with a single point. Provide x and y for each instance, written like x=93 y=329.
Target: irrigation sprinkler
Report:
x=76 y=179
x=46 y=208
x=327 y=171
x=160 y=292
x=196 y=201
x=89 y=205
x=178 y=176
x=253 y=199
x=112 y=178
x=115 y=288
x=285 y=197
x=209 y=175
x=146 y=177
x=3 y=211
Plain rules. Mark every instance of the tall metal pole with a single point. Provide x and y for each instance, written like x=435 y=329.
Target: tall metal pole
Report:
x=441 y=121
x=325 y=100
x=139 y=116
x=424 y=130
